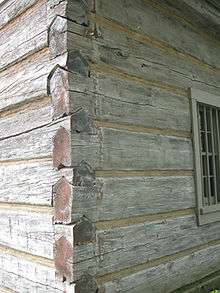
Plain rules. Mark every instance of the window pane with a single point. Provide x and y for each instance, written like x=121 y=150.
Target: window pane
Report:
x=209 y=118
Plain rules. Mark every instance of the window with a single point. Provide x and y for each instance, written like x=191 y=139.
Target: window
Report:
x=206 y=138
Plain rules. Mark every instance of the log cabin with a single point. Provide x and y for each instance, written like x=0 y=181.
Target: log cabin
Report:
x=109 y=146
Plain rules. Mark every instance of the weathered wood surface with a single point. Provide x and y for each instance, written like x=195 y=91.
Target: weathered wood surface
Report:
x=109 y=98
x=27 y=80
x=16 y=272
x=111 y=149
x=144 y=19
x=11 y=9
x=205 y=14
x=39 y=114
x=33 y=182
x=109 y=198
x=30 y=34
x=97 y=145
x=77 y=10
x=134 y=57
x=145 y=55
x=170 y=276
x=117 y=248
x=200 y=16
x=37 y=143
x=29 y=232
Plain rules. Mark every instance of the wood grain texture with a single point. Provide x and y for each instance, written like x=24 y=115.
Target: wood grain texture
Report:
x=148 y=21
x=109 y=98
x=204 y=14
x=27 y=80
x=16 y=272
x=10 y=10
x=137 y=50
x=30 y=34
x=134 y=57
x=34 y=144
x=27 y=119
x=170 y=276
x=111 y=149
x=116 y=249
x=113 y=198
x=73 y=244
x=33 y=182
x=29 y=232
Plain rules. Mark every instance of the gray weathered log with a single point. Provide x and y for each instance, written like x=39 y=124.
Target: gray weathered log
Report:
x=134 y=58
x=29 y=232
x=117 y=248
x=26 y=119
x=110 y=149
x=144 y=19
x=109 y=198
x=33 y=184
x=17 y=272
x=27 y=80
x=170 y=276
x=33 y=144
x=111 y=99
x=205 y=14
x=10 y=10
x=30 y=34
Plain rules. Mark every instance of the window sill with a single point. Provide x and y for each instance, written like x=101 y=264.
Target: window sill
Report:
x=209 y=214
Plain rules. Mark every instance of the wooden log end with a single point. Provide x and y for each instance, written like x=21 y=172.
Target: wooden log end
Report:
x=84 y=231
x=56 y=7
x=62 y=197
x=78 y=63
x=58 y=89
x=62 y=149
x=86 y=284
x=78 y=11
x=67 y=238
x=64 y=252
x=82 y=122
x=57 y=38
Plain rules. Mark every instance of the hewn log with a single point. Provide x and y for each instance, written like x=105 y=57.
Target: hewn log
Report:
x=109 y=198
x=33 y=184
x=17 y=272
x=136 y=17
x=27 y=80
x=97 y=145
x=169 y=276
x=10 y=9
x=204 y=14
x=30 y=116
x=109 y=98
x=121 y=52
x=29 y=232
x=30 y=34
x=76 y=10
x=117 y=248
x=34 y=144
x=73 y=244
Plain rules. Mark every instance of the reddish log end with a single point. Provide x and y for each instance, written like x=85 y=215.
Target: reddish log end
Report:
x=62 y=196
x=63 y=258
x=62 y=149
x=58 y=89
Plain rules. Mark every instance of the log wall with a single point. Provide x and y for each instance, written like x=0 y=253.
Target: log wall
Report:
x=97 y=191
x=125 y=86
x=26 y=132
